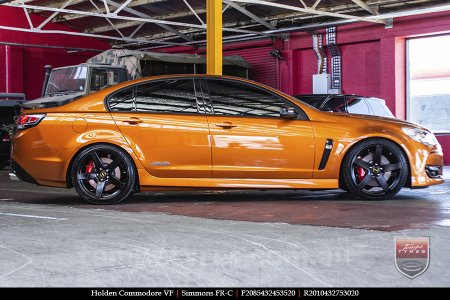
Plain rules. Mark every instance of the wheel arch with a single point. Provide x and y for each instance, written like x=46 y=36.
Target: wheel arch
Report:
x=70 y=165
x=405 y=153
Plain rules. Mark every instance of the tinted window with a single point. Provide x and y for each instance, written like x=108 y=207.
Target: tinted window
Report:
x=379 y=107
x=170 y=96
x=122 y=101
x=335 y=105
x=234 y=98
x=315 y=101
x=357 y=106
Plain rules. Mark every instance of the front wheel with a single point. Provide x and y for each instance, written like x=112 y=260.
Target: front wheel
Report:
x=103 y=174
x=375 y=169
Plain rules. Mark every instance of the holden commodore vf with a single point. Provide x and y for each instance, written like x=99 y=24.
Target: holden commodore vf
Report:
x=213 y=132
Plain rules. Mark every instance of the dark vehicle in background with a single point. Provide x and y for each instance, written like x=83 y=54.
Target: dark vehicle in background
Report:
x=5 y=139
x=9 y=107
x=351 y=104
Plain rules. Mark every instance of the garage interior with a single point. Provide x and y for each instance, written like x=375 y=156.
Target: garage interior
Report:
x=393 y=50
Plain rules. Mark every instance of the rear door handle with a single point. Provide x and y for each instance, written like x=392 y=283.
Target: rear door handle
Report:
x=133 y=121
x=226 y=125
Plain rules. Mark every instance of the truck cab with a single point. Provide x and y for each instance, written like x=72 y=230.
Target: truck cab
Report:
x=67 y=84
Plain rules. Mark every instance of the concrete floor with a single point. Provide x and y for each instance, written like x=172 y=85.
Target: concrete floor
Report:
x=48 y=237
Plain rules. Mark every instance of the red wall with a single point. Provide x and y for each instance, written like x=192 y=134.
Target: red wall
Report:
x=25 y=65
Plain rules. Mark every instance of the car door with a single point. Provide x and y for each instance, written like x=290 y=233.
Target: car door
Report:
x=249 y=138
x=162 y=122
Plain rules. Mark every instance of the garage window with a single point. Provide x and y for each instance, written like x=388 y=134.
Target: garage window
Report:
x=428 y=66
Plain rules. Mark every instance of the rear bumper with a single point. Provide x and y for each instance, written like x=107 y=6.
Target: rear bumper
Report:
x=18 y=173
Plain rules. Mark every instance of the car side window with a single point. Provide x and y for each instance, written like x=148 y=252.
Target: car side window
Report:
x=233 y=98
x=122 y=100
x=335 y=105
x=168 y=96
x=357 y=106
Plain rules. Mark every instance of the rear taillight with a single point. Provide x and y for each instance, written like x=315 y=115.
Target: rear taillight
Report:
x=5 y=137
x=27 y=121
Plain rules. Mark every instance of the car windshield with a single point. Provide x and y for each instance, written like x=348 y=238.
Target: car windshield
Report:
x=314 y=101
x=66 y=80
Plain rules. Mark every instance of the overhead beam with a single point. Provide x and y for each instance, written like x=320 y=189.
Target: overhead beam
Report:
x=142 y=15
x=310 y=11
x=54 y=14
x=99 y=36
x=249 y=14
x=214 y=37
x=365 y=6
x=134 y=3
x=347 y=8
x=127 y=18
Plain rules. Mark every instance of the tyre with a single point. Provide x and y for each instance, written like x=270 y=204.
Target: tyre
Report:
x=103 y=174
x=342 y=185
x=3 y=164
x=375 y=169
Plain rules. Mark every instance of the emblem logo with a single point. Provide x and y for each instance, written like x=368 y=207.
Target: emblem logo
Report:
x=412 y=255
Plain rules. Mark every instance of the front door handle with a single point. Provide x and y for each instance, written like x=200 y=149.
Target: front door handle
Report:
x=226 y=125
x=133 y=121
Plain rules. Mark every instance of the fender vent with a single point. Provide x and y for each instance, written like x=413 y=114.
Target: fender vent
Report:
x=326 y=154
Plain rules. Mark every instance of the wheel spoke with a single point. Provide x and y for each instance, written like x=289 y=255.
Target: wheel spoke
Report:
x=392 y=167
x=114 y=164
x=363 y=164
x=113 y=180
x=86 y=176
x=364 y=182
x=384 y=185
x=377 y=155
x=97 y=161
x=99 y=190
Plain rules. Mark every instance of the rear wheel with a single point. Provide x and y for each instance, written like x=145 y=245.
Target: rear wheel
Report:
x=375 y=169
x=103 y=174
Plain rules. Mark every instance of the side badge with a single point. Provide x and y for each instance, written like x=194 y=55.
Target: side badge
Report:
x=160 y=164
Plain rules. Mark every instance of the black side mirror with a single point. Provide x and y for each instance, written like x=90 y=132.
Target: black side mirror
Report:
x=288 y=112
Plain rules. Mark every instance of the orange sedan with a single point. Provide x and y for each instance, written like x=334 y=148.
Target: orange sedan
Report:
x=207 y=132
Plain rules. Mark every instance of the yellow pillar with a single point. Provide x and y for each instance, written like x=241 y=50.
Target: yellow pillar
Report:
x=214 y=37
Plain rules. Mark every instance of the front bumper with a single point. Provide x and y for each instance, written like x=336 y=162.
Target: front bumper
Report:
x=426 y=168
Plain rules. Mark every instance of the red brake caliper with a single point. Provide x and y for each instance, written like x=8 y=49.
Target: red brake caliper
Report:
x=360 y=173
x=90 y=167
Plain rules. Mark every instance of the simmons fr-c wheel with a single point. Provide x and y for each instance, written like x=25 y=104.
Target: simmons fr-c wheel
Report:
x=375 y=169
x=103 y=174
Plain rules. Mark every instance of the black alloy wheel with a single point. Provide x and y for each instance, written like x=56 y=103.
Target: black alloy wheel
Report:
x=375 y=169
x=103 y=174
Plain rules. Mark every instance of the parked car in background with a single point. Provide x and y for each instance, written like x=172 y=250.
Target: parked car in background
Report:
x=4 y=148
x=9 y=107
x=351 y=104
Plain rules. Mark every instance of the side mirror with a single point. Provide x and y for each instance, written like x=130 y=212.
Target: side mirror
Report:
x=288 y=112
